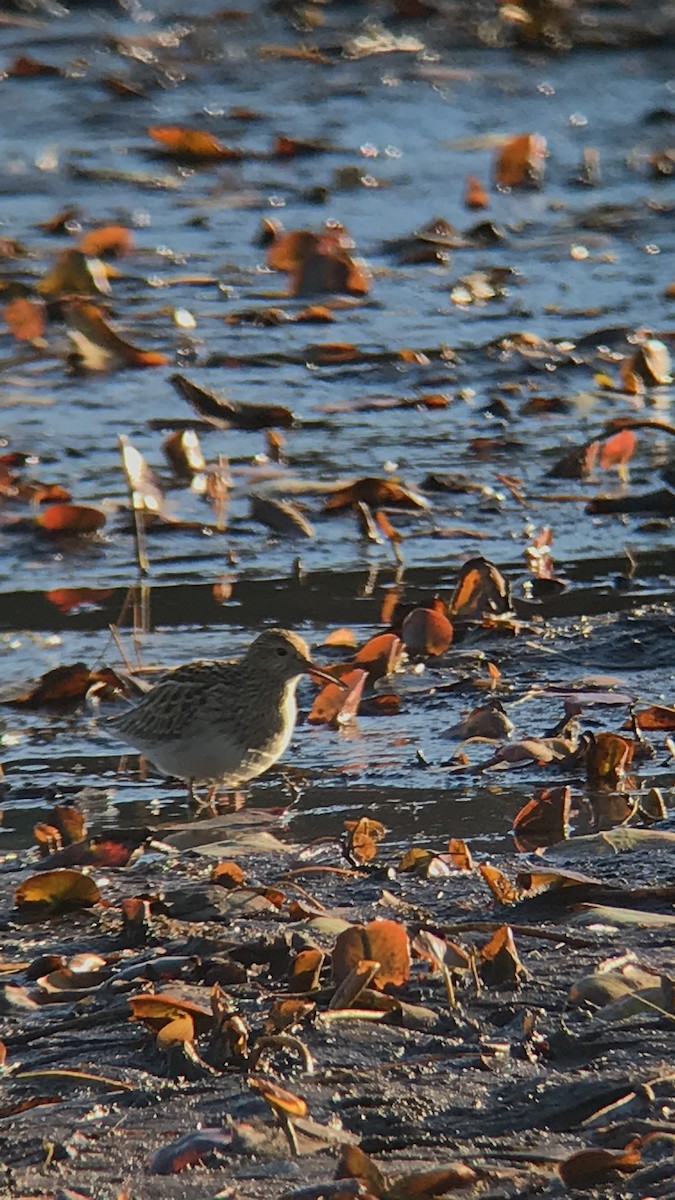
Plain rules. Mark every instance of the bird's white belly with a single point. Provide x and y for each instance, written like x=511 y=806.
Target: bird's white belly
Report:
x=209 y=755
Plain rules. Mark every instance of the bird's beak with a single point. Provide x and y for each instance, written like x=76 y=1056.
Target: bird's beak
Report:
x=318 y=673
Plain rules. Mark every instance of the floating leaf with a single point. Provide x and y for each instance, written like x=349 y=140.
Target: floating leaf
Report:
x=520 y=161
x=422 y=1185
x=197 y=144
x=650 y=364
x=608 y=758
x=375 y=493
x=190 y=1150
x=339 y=701
x=488 y=722
x=426 y=631
x=25 y=66
x=112 y=240
x=544 y=820
x=70 y=599
x=75 y=274
x=460 y=854
x=99 y=346
x=288 y=1014
x=657 y=716
x=57 y=891
x=281 y=516
x=224 y=413
x=617 y=450
x=475 y=195
x=354 y=983
x=423 y=862
x=184 y=454
x=71 y=519
x=380 y=655
x=25 y=317
x=62 y=685
x=501 y=887
x=481 y=589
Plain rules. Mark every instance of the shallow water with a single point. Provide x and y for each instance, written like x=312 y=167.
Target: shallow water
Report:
x=590 y=268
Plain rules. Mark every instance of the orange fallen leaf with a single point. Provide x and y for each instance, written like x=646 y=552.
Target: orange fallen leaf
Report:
x=657 y=716
x=339 y=701
x=375 y=492
x=426 y=631
x=499 y=884
x=69 y=599
x=285 y=1014
x=501 y=966
x=385 y=942
x=228 y=875
x=460 y=854
x=112 y=240
x=475 y=195
x=608 y=758
x=305 y=970
x=27 y=67
x=617 y=450
x=380 y=655
x=290 y=147
x=25 y=317
x=481 y=590
x=363 y=838
x=354 y=1164
x=422 y=1185
x=176 y=1032
x=70 y=518
x=544 y=820
x=281 y=1101
x=160 y=1008
x=354 y=984
x=587 y=1168
x=192 y=143
x=520 y=161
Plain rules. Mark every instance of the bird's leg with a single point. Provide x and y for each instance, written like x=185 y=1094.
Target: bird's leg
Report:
x=194 y=800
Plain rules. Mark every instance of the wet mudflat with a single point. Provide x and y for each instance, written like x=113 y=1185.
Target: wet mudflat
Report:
x=311 y=315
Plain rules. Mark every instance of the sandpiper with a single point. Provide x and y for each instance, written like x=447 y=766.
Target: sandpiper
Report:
x=222 y=722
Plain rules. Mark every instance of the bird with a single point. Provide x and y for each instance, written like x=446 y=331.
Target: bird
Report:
x=222 y=722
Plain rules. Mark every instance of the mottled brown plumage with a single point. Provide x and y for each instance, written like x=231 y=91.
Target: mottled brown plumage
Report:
x=222 y=722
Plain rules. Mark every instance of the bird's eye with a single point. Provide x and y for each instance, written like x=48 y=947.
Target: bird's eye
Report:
x=281 y=652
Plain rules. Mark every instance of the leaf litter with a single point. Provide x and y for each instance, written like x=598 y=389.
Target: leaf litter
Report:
x=375 y=988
